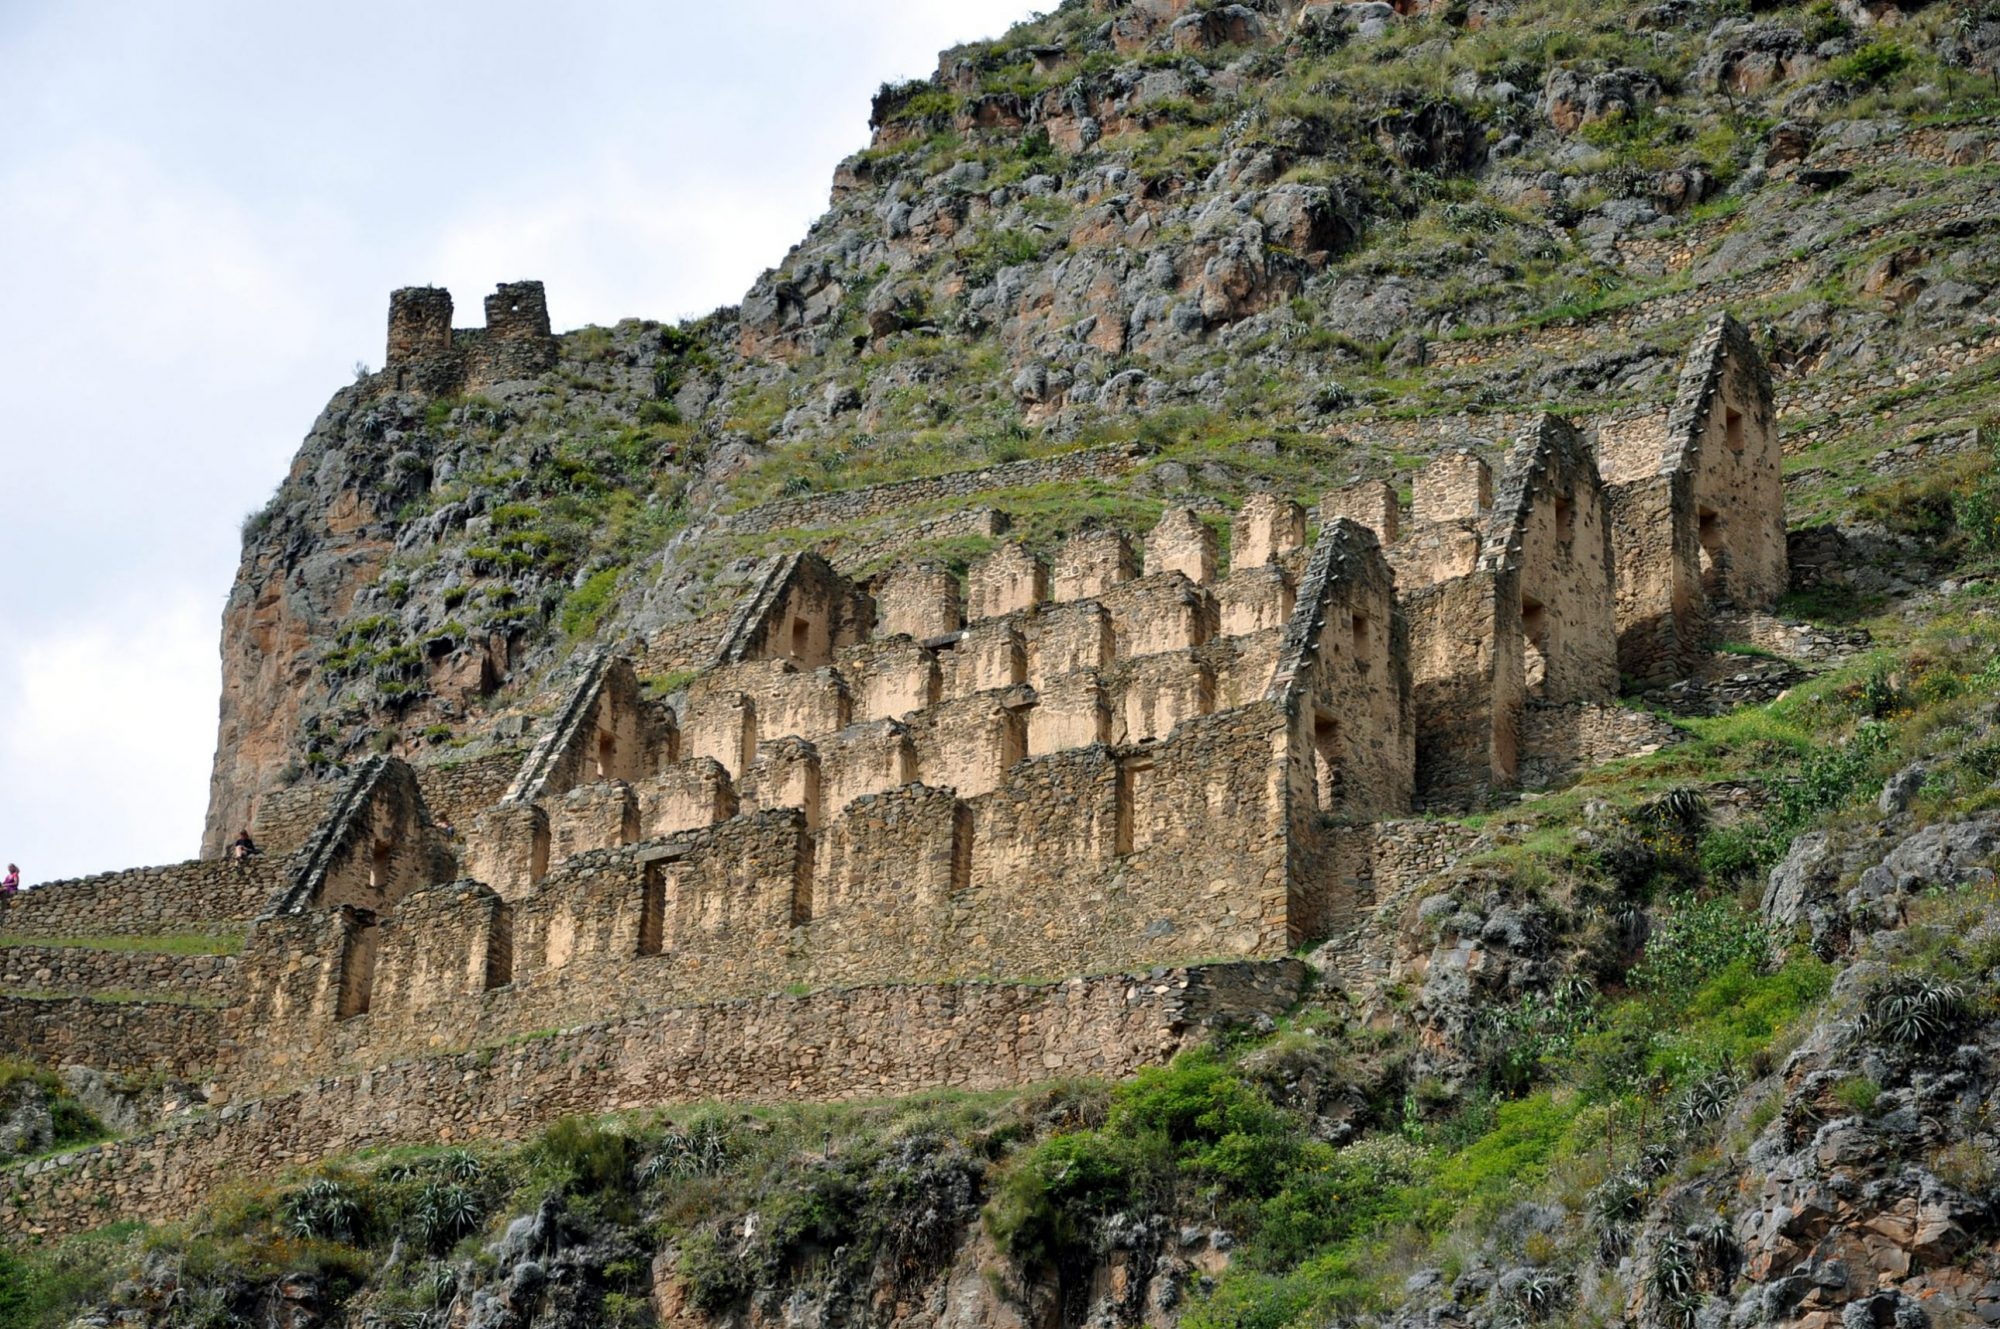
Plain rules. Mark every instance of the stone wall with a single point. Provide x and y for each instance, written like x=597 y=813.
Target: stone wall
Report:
x=457 y=791
x=1466 y=662
x=282 y=820
x=209 y=979
x=884 y=500
x=1559 y=743
x=376 y=845
x=1706 y=525
x=861 y=1043
x=122 y=1037
x=205 y=895
x=1551 y=535
x=426 y=354
x=907 y=883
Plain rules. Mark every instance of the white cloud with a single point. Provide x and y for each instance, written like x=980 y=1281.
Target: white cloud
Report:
x=105 y=732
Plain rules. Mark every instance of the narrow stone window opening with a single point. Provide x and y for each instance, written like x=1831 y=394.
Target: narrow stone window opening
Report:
x=1325 y=761
x=802 y=881
x=1732 y=429
x=607 y=754
x=801 y=638
x=1565 y=521
x=357 y=969
x=961 y=849
x=1129 y=834
x=1710 y=534
x=653 y=911
x=1534 y=646
x=1363 y=655
x=500 y=949
x=380 y=859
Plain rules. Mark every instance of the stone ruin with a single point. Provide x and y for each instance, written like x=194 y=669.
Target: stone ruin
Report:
x=1137 y=753
x=426 y=354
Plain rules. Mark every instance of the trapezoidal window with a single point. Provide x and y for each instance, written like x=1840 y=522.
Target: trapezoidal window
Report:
x=1709 y=531
x=607 y=755
x=1325 y=761
x=1534 y=646
x=1732 y=429
x=653 y=911
x=500 y=949
x=801 y=639
x=357 y=968
x=381 y=864
x=1132 y=831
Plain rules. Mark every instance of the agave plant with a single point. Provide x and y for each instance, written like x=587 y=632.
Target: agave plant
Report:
x=1715 y=1244
x=324 y=1209
x=1671 y=1283
x=1916 y=1012
x=1615 y=1205
x=702 y=1150
x=1707 y=1100
x=445 y=1212
x=462 y=1165
x=1534 y=1296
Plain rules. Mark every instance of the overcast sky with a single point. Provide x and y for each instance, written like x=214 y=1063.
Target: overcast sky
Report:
x=203 y=208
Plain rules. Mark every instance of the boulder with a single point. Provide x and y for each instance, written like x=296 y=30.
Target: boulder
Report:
x=1572 y=98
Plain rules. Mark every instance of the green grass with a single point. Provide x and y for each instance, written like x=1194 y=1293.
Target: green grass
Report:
x=117 y=997
x=168 y=943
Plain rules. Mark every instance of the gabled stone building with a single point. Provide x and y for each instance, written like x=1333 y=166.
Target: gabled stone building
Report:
x=927 y=828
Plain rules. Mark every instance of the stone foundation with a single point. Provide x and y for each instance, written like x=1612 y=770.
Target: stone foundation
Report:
x=857 y=1044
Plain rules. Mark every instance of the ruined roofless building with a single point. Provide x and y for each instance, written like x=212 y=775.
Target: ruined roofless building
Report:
x=1162 y=758
x=426 y=354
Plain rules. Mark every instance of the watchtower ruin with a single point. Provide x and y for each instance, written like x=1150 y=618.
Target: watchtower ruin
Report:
x=426 y=354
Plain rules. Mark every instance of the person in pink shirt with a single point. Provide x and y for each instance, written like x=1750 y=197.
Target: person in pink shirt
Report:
x=10 y=883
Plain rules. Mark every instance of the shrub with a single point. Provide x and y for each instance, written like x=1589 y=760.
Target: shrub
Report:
x=586 y=606
x=583 y=1158
x=1873 y=64
x=1699 y=940
x=1670 y=1283
x=716 y=1279
x=700 y=1150
x=1858 y=1093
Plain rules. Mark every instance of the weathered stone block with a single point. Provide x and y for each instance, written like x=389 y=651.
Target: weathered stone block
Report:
x=684 y=797
x=991 y=654
x=1266 y=528
x=1070 y=712
x=786 y=775
x=1158 y=692
x=1370 y=503
x=1255 y=599
x=1455 y=486
x=1181 y=542
x=864 y=759
x=508 y=848
x=969 y=743
x=595 y=816
x=1091 y=563
x=888 y=680
x=918 y=600
x=1069 y=637
x=1007 y=581
x=721 y=726
x=1163 y=613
